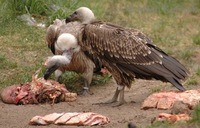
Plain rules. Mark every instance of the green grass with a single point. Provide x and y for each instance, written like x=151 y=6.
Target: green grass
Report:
x=192 y=81
x=173 y=25
x=198 y=71
x=156 y=89
x=196 y=39
x=195 y=116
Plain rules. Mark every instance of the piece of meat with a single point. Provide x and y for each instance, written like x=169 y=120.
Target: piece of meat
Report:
x=64 y=118
x=97 y=120
x=51 y=118
x=23 y=91
x=73 y=118
x=8 y=94
x=104 y=71
x=172 y=118
x=151 y=102
x=30 y=98
x=166 y=100
x=79 y=119
x=37 y=120
x=69 y=97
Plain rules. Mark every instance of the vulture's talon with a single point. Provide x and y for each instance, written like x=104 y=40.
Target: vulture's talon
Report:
x=118 y=104
x=107 y=102
x=110 y=101
x=85 y=92
x=113 y=102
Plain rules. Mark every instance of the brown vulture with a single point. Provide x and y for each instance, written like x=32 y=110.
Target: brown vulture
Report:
x=80 y=63
x=126 y=53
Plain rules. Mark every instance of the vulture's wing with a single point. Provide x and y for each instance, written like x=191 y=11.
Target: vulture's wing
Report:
x=119 y=44
x=51 y=37
x=132 y=52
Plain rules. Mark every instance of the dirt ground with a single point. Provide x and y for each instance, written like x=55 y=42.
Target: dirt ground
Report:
x=18 y=116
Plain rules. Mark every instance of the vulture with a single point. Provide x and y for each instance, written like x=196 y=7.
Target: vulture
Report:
x=126 y=53
x=80 y=63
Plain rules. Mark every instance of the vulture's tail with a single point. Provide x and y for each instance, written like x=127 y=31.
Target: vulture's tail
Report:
x=177 y=70
x=171 y=70
x=176 y=83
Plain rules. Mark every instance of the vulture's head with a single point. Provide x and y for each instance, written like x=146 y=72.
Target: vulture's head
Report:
x=67 y=44
x=82 y=14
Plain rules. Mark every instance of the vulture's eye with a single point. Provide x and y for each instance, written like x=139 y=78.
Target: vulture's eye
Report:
x=75 y=13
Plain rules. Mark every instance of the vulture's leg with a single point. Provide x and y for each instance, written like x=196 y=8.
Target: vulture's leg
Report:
x=119 y=92
x=86 y=88
x=58 y=75
x=114 y=98
x=121 y=97
x=87 y=79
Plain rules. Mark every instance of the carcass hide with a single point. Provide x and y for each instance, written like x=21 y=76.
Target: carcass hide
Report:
x=37 y=91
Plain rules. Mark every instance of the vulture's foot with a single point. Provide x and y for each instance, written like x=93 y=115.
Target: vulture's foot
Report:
x=113 y=100
x=107 y=102
x=118 y=93
x=119 y=103
x=85 y=91
x=114 y=103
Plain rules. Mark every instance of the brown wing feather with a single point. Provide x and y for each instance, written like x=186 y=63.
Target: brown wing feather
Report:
x=51 y=37
x=131 y=54
x=123 y=45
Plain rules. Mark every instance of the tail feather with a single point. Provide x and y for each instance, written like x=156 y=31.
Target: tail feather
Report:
x=171 y=70
x=175 y=67
x=176 y=83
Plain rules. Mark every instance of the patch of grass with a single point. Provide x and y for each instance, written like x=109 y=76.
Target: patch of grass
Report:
x=195 y=121
x=72 y=80
x=156 y=89
x=100 y=80
x=165 y=6
x=166 y=124
x=192 y=81
x=39 y=7
x=196 y=39
x=6 y=64
x=187 y=54
x=198 y=71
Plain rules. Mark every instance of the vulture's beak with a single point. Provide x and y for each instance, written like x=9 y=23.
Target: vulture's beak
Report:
x=53 y=63
x=70 y=18
x=49 y=71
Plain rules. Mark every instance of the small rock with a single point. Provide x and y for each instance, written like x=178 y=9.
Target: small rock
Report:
x=132 y=125
x=180 y=108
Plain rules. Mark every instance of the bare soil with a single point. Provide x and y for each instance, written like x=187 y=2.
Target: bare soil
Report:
x=18 y=116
